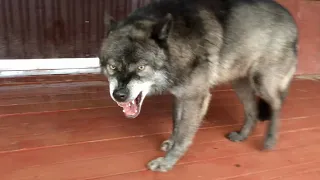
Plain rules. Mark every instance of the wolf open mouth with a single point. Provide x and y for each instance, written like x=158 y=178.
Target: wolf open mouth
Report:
x=132 y=109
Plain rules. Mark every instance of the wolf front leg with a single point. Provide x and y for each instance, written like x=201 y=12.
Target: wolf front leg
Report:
x=176 y=118
x=192 y=111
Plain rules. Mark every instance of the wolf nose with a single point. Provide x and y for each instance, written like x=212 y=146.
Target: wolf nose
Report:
x=121 y=94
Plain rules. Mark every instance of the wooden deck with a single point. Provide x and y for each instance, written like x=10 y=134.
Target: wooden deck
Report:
x=67 y=127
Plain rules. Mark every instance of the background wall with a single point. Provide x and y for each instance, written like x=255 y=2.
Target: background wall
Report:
x=39 y=29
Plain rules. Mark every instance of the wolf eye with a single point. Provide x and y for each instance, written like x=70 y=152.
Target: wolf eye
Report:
x=141 y=68
x=112 y=67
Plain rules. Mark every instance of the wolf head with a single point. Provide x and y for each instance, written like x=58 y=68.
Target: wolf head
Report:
x=134 y=58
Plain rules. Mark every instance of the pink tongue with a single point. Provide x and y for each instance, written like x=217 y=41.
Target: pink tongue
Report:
x=129 y=109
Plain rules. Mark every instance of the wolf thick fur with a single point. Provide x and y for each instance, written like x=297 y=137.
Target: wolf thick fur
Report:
x=187 y=47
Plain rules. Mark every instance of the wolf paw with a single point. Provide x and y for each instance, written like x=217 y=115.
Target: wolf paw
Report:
x=236 y=137
x=159 y=165
x=270 y=142
x=167 y=145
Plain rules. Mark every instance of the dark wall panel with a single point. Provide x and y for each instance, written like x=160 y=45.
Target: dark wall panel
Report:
x=74 y=28
x=56 y=28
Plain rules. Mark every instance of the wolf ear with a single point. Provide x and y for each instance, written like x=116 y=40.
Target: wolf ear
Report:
x=109 y=22
x=162 y=28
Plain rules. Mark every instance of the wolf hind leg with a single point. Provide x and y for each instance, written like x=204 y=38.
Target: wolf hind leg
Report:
x=273 y=90
x=247 y=96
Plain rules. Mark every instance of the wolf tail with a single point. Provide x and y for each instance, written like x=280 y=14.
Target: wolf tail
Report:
x=264 y=110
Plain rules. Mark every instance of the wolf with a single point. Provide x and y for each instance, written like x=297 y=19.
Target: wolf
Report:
x=187 y=47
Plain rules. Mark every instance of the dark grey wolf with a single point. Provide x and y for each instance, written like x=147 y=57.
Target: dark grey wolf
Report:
x=187 y=47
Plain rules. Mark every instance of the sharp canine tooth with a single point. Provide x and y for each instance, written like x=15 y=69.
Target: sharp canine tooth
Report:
x=123 y=111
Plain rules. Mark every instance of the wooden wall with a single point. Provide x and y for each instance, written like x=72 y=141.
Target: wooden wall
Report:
x=74 y=28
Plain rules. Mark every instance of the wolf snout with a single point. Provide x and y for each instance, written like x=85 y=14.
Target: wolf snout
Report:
x=121 y=94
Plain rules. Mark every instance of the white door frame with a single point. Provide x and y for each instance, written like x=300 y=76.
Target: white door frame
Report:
x=28 y=67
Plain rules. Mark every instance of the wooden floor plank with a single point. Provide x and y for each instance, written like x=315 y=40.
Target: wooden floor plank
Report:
x=46 y=126
x=214 y=160
x=76 y=97
x=67 y=127
x=279 y=173
x=93 y=86
x=54 y=98
x=102 y=99
x=130 y=145
x=92 y=124
x=50 y=79
x=95 y=150
x=219 y=98
x=60 y=88
x=230 y=166
x=60 y=106
x=309 y=175
x=51 y=133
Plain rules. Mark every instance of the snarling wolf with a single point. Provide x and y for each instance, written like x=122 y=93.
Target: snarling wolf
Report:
x=187 y=47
